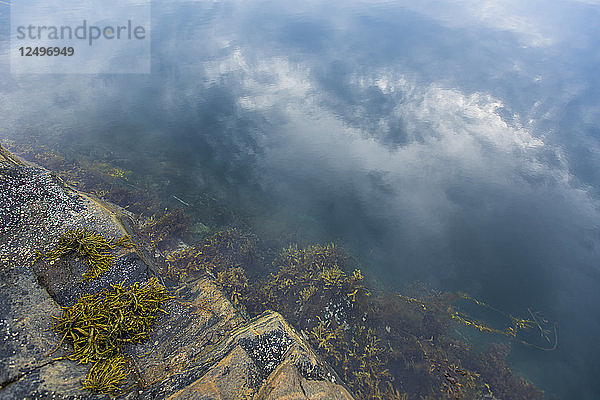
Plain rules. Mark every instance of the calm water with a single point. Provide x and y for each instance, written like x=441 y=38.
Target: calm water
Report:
x=455 y=143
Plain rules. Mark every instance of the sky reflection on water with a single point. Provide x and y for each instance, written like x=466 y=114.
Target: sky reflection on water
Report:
x=453 y=143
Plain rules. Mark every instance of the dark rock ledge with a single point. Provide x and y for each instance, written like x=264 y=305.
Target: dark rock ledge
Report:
x=202 y=349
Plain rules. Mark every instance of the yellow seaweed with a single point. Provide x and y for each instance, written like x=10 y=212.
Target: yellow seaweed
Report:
x=91 y=246
x=99 y=325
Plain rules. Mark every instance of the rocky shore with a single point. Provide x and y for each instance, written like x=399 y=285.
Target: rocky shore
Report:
x=203 y=347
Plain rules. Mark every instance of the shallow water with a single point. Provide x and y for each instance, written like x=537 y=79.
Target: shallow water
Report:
x=454 y=144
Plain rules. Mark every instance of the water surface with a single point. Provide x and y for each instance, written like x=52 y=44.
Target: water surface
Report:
x=451 y=143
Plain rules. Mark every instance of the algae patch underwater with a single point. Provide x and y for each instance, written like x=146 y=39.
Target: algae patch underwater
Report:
x=91 y=246
x=99 y=325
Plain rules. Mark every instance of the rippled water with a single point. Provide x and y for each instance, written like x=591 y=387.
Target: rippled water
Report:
x=451 y=143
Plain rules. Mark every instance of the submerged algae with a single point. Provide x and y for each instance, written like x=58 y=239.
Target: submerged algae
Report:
x=384 y=346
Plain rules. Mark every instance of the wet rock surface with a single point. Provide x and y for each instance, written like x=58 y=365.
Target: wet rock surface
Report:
x=202 y=348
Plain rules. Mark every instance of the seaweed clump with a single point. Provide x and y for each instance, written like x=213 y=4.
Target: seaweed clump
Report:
x=161 y=231
x=234 y=282
x=225 y=256
x=99 y=325
x=312 y=280
x=106 y=376
x=91 y=246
